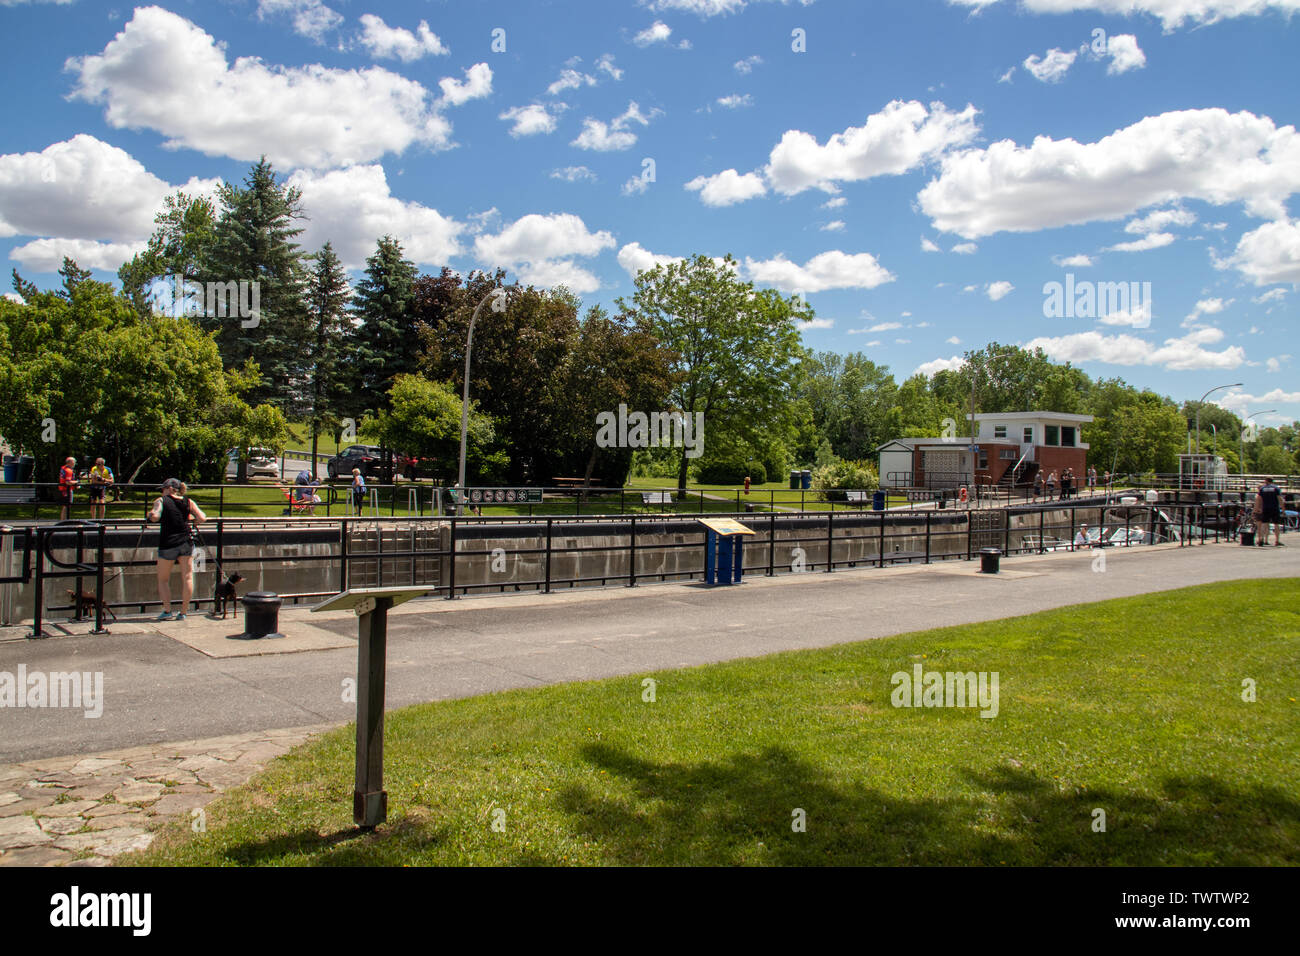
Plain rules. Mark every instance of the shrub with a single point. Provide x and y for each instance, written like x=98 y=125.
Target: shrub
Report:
x=840 y=475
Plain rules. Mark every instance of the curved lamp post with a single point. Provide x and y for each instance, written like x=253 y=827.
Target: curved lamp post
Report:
x=464 y=408
x=1242 y=442
x=1198 y=411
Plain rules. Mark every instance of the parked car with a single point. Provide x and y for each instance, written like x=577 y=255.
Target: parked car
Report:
x=261 y=462
x=370 y=459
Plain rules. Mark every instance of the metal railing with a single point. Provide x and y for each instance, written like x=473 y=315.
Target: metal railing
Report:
x=825 y=541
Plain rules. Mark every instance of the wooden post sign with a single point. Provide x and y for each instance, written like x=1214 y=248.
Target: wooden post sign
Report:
x=369 y=799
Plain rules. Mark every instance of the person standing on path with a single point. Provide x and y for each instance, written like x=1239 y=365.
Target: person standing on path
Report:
x=1270 y=513
x=1038 y=484
x=173 y=512
x=101 y=476
x=1051 y=485
x=67 y=484
x=358 y=491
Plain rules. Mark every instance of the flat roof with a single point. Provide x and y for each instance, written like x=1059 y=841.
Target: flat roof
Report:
x=1013 y=416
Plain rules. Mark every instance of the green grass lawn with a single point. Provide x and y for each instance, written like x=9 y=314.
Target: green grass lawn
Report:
x=1131 y=706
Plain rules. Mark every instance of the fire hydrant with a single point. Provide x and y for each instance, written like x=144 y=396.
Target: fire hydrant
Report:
x=747 y=484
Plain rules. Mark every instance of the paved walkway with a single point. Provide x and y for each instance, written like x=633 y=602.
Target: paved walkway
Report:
x=84 y=811
x=189 y=681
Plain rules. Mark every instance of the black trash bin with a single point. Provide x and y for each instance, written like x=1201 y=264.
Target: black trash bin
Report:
x=26 y=467
x=878 y=501
x=1247 y=537
x=989 y=560
x=794 y=480
x=261 y=615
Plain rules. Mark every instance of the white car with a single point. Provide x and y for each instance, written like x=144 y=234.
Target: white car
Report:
x=261 y=463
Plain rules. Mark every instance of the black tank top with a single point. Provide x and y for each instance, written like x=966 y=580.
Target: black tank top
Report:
x=173 y=526
x=1271 y=495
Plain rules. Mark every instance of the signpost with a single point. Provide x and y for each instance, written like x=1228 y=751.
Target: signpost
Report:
x=724 y=553
x=369 y=799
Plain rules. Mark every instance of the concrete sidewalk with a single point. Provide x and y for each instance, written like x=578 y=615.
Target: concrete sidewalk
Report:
x=187 y=681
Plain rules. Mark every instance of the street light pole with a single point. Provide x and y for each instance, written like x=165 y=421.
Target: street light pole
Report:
x=1198 y=411
x=495 y=292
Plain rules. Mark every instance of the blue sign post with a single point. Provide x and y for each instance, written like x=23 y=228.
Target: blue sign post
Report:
x=724 y=550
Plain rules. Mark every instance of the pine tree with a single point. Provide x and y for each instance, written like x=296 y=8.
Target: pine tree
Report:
x=254 y=242
x=385 y=343
x=328 y=295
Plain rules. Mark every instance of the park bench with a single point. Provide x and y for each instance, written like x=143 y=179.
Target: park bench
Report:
x=17 y=494
x=1047 y=542
x=656 y=497
x=857 y=496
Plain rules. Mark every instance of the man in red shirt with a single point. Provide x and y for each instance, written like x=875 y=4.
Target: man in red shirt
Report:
x=67 y=482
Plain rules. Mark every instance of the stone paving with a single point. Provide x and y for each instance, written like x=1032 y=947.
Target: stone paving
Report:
x=87 y=810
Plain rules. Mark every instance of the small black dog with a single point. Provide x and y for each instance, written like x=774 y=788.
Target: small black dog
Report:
x=86 y=604
x=225 y=593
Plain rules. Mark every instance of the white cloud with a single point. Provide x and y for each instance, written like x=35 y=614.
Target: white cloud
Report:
x=476 y=85
x=900 y=137
x=815 y=324
x=1171 y=13
x=727 y=187
x=570 y=79
x=634 y=259
x=657 y=32
x=1179 y=354
x=928 y=246
x=1159 y=220
x=606 y=65
x=1268 y=254
x=1124 y=53
x=1273 y=295
x=1206 y=307
x=998 y=290
x=602 y=137
x=1079 y=261
x=46 y=255
x=703 y=8
x=1274 y=366
x=747 y=64
x=1006 y=77
x=829 y=270
x=352 y=207
x=1206 y=154
x=735 y=101
x=1241 y=402
x=541 y=249
x=155 y=71
x=965 y=248
x=952 y=364
x=836 y=225
x=385 y=42
x=953 y=340
x=572 y=174
x=311 y=18
x=1153 y=241
x=834 y=203
x=883 y=327
x=1052 y=67
x=529 y=120
x=635 y=186
x=83 y=189
x=1138 y=318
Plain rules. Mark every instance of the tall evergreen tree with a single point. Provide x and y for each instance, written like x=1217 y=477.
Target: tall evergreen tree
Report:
x=254 y=242
x=179 y=245
x=384 y=343
x=328 y=295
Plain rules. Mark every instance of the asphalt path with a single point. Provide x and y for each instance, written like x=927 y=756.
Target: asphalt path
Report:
x=157 y=689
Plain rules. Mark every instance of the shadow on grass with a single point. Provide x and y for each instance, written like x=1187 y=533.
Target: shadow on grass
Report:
x=740 y=810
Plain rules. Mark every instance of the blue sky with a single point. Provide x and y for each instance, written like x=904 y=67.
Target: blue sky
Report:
x=917 y=170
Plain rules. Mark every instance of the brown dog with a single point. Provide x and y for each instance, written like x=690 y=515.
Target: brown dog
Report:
x=86 y=603
x=226 y=594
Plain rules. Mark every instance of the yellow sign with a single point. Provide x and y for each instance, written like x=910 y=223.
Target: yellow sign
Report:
x=726 y=526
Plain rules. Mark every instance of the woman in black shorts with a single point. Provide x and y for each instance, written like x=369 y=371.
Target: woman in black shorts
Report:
x=174 y=512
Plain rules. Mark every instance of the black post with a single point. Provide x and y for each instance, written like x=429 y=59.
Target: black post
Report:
x=830 y=542
x=369 y=800
x=548 y=554
x=451 y=563
x=99 y=587
x=37 y=630
x=631 y=557
x=1042 y=516
x=76 y=601
x=880 y=562
x=343 y=555
x=927 y=537
x=771 y=545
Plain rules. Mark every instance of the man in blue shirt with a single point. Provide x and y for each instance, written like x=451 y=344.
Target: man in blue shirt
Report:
x=1270 y=499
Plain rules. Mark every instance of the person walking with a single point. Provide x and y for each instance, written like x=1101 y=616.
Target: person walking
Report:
x=1269 y=500
x=101 y=476
x=1038 y=484
x=358 y=491
x=67 y=484
x=173 y=513
x=1067 y=479
x=1051 y=485
x=1092 y=478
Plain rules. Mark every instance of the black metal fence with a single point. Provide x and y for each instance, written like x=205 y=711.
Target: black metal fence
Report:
x=80 y=552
